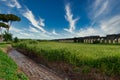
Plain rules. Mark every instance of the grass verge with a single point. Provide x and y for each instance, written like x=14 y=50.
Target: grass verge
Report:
x=8 y=68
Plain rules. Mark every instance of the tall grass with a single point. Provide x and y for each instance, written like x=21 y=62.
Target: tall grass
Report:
x=106 y=58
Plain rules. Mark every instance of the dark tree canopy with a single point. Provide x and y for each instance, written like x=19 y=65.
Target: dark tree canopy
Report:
x=3 y=18
x=4 y=25
x=12 y=17
x=9 y=17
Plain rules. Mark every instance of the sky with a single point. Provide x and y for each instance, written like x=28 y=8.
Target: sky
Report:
x=56 y=19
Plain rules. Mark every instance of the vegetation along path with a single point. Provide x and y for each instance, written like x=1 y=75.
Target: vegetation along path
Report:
x=32 y=69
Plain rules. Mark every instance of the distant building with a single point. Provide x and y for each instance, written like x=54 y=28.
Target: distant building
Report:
x=102 y=39
x=109 y=39
x=91 y=39
x=66 y=40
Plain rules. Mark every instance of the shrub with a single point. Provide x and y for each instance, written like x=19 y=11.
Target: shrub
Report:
x=7 y=36
x=16 y=39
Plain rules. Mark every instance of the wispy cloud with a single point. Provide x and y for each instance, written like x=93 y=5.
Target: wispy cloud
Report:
x=36 y=23
x=25 y=34
x=3 y=0
x=36 y=29
x=12 y=28
x=28 y=14
x=90 y=31
x=54 y=32
x=12 y=3
x=69 y=18
x=100 y=23
x=99 y=7
x=107 y=26
x=41 y=22
x=111 y=25
x=102 y=9
x=32 y=29
x=30 y=33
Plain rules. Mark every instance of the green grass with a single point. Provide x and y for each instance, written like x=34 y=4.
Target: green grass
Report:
x=8 y=68
x=106 y=58
x=3 y=45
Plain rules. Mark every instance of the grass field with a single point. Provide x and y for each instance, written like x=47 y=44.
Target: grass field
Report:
x=8 y=68
x=106 y=58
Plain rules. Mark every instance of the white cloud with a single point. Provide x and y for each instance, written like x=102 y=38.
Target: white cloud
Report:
x=41 y=22
x=32 y=29
x=90 y=31
x=101 y=23
x=103 y=6
x=36 y=30
x=13 y=3
x=3 y=0
x=38 y=24
x=30 y=33
x=111 y=25
x=69 y=18
x=54 y=32
x=96 y=4
x=15 y=29
x=25 y=34
x=107 y=26
x=99 y=9
x=18 y=32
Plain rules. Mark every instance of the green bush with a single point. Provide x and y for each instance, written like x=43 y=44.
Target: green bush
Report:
x=16 y=40
x=7 y=36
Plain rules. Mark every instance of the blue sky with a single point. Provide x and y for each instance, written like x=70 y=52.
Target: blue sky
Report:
x=53 y=19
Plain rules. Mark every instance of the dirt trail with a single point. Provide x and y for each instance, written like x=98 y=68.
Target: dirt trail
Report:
x=32 y=69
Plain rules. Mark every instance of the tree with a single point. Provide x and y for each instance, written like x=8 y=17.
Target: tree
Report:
x=16 y=39
x=3 y=25
x=3 y=18
x=5 y=22
x=7 y=36
x=9 y=18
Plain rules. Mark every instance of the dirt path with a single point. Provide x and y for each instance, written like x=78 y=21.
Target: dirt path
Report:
x=32 y=69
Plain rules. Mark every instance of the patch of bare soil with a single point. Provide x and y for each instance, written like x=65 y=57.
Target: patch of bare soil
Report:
x=66 y=71
x=6 y=49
